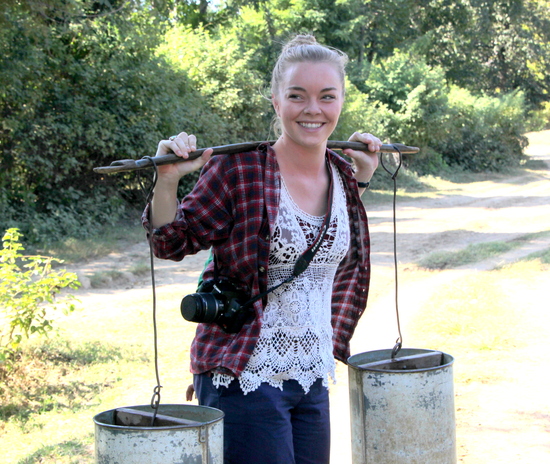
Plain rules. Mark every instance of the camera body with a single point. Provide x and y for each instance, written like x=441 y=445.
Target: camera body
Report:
x=219 y=301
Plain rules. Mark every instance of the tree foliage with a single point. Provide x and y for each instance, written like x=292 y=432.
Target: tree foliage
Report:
x=84 y=82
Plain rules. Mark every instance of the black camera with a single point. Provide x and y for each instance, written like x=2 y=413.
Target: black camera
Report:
x=218 y=301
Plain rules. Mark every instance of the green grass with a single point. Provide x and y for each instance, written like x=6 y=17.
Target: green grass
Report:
x=543 y=256
x=483 y=317
x=56 y=375
x=471 y=254
x=100 y=359
x=474 y=253
x=65 y=452
x=73 y=250
x=102 y=355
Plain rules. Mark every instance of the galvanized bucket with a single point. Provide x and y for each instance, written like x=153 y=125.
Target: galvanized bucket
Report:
x=402 y=410
x=182 y=434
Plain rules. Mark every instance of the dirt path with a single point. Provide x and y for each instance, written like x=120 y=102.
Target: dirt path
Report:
x=506 y=423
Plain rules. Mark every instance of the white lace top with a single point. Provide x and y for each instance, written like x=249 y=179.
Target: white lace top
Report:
x=296 y=336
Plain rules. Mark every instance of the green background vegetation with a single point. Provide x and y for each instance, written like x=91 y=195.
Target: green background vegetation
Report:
x=83 y=83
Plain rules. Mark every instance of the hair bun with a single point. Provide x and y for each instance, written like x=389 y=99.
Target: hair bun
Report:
x=299 y=40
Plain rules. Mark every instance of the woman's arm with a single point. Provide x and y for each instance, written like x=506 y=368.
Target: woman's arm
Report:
x=165 y=201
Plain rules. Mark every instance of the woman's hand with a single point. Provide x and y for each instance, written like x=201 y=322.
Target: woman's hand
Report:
x=181 y=145
x=365 y=162
x=164 y=204
x=189 y=393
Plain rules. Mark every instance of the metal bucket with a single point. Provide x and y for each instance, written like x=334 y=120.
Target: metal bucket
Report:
x=198 y=439
x=402 y=413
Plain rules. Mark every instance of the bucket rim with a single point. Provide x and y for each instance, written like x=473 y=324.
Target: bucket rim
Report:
x=159 y=428
x=449 y=363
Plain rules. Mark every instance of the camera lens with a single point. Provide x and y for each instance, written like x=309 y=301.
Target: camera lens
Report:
x=201 y=307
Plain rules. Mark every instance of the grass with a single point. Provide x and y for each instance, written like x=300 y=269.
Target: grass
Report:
x=484 y=317
x=73 y=250
x=543 y=256
x=67 y=452
x=57 y=375
x=100 y=359
x=102 y=355
x=474 y=253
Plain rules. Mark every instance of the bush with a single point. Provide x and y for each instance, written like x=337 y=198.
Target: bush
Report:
x=452 y=126
x=79 y=94
x=486 y=132
x=539 y=119
x=26 y=295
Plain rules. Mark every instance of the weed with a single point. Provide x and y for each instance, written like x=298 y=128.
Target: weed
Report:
x=52 y=376
x=104 y=278
x=140 y=268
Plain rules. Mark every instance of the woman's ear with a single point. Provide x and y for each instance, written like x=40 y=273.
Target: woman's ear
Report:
x=275 y=103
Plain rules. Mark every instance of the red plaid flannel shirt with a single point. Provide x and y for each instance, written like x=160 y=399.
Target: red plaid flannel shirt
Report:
x=231 y=208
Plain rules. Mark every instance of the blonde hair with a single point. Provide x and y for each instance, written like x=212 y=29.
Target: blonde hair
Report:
x=304 y=48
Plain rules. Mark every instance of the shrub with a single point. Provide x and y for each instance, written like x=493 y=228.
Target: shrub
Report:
x=26 y=295
x=486 y=132
x=451 y=125
x=539 y=119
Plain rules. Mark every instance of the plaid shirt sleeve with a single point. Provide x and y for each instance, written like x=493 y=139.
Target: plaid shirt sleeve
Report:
x=228 y=209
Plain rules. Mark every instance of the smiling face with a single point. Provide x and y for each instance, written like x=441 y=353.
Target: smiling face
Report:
x=309 y=102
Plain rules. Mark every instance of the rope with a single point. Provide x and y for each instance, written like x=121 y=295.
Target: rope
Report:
x=399 y=341
x=155 y=399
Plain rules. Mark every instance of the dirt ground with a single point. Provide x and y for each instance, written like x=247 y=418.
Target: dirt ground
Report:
x=504 y=423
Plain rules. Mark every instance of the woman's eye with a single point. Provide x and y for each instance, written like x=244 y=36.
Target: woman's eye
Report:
x=329 y=97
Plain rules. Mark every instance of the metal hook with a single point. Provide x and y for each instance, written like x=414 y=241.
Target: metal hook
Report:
x=397 y=348
x=155 y=402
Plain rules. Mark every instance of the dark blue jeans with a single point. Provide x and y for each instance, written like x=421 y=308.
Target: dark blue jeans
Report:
x=270 y=426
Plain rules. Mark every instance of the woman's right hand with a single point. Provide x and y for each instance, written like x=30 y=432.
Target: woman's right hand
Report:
x=164 y=203
x=181 y=145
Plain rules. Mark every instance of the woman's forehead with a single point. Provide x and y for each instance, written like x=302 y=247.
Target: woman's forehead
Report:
x=322 y=76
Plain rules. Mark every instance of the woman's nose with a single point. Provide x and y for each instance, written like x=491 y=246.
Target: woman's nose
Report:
x=312 y=107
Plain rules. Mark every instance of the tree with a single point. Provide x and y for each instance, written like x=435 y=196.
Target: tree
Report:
x=80 y=88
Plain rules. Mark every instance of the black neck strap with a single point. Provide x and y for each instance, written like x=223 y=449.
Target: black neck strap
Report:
x=303 y=261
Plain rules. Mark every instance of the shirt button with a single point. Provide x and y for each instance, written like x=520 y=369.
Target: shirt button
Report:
x=262 y=269
x=267 y=237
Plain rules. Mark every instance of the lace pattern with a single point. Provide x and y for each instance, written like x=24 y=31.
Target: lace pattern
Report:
x=296 y=337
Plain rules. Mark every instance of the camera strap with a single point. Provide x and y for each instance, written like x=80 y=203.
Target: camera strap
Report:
x=303 y=261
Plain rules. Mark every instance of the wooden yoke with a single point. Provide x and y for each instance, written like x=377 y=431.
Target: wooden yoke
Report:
x=134 y=165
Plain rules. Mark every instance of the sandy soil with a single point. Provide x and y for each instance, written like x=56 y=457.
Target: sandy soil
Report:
x=503 y=423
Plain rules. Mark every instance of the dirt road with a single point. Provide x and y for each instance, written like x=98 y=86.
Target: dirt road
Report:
x=504 y=423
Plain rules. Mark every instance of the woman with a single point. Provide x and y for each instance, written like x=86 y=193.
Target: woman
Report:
x=259 y=211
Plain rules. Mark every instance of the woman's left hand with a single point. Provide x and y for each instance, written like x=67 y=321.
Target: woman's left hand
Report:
x=365 y=162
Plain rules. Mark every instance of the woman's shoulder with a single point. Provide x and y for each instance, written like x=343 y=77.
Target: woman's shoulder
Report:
x=344 y=166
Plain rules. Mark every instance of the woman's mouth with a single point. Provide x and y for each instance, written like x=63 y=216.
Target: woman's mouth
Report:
x=311 y=125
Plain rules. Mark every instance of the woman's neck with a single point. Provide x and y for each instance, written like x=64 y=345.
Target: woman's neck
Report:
x=305 y=174
x=297 y=159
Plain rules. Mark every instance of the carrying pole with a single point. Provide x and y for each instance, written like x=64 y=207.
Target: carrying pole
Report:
x=144 y=163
